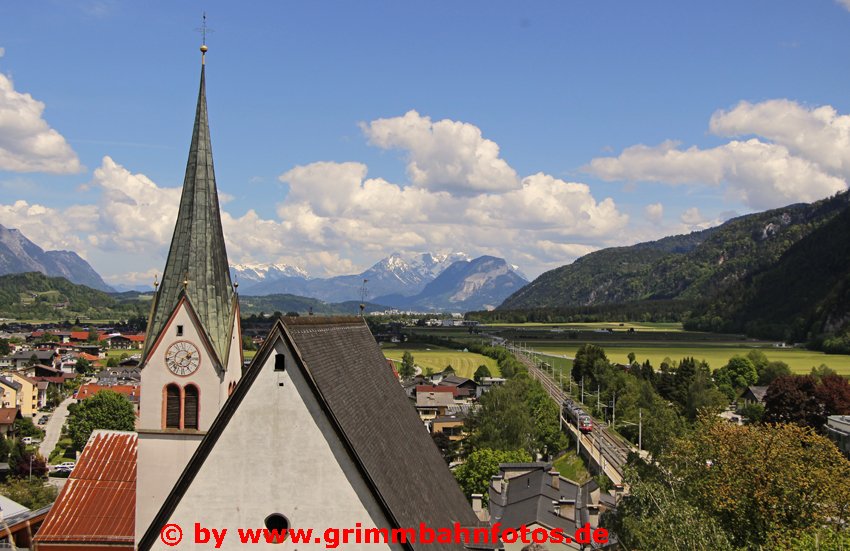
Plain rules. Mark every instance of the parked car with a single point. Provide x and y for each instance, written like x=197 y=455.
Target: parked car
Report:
x=43 y=419
x=67 y=466
x=29 y=440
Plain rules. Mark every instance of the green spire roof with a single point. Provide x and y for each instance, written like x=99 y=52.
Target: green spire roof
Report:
x=197 y=255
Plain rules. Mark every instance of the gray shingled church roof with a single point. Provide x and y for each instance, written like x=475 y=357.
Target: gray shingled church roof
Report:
x=197 y=254
x=370 y=413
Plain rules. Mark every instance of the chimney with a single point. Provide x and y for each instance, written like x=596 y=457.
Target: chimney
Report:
x=556 y=479
x=566 y=508
x=496 y=481
x=477 y=503
x=593 y=515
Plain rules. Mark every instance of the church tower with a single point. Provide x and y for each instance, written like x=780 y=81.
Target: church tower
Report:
x=193 y=347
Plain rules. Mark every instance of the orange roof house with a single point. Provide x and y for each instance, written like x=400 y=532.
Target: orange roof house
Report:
x=96 y=508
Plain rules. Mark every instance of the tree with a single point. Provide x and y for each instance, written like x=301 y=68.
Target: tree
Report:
x=753 y=412
x=32 y=494
x=93 y=336
x=833 y=393
x=772 y=371
x=448 y=448
x=791 y=399
x=5 y=349
x=82 y=365
x=25 y=427
x=54 y=395
x=408 y=368
x=105 y=410
x=822 y=371
x=475 y=474
x=632 y=358
x=449 y=370
x=759 y=480
x=480 y=373
x=5 y=447
x=112 y=361
x=739 y=373
x=588 y=357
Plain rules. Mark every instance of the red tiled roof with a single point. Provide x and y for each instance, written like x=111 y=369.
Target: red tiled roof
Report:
x=8 y=415
x=136 y=338
x=80 y=335
x=58 y=379
x=432 y=388
x=90 y=389
x=89 y=357
x=392 y=366
x=98 y=503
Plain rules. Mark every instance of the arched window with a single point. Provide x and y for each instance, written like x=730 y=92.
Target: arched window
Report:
x=190 y=407
x=172 y=406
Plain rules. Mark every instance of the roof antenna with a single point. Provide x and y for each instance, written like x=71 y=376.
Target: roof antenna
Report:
x=363 y=294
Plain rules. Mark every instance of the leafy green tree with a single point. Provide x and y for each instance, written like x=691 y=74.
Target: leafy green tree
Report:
x=481 y=465
x=93 y=336
x=408 y=368
x=588 y=358
x=754 y=412
x=32 y=494
x=5 y=447
x=25 y=427
x=5 y=349
x=112 y=361
x=772 y=371
x=54 y=395
x=83 y=365
x=449 y=370
x=704 y=396
x=739 y=373
x=481 y=372
x=105 y=410
x=822 y=371
x=632 y=358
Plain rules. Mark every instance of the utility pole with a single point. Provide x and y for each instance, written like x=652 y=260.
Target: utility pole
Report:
x=640 y=429
x=614 y=410
x=598 y=403
x=582 y=389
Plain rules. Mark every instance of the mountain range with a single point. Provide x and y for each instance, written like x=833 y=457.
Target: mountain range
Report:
x=18 y=255
x=417 y=281
x=781 y=273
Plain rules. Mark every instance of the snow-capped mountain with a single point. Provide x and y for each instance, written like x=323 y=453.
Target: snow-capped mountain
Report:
x=449 y=281
x=254 y=273
x=478 y=284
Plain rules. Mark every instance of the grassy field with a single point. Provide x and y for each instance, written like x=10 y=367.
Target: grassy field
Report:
x=799 y=360
x=572 y=467
x=437 y=358
x=616 y=326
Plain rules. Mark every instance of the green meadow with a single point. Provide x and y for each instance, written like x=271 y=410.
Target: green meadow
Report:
x=717 y=355
x=437 y=358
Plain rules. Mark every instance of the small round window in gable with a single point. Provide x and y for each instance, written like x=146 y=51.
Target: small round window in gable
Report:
x=278 y=527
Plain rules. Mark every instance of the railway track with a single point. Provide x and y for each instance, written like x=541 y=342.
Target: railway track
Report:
x=606 y=443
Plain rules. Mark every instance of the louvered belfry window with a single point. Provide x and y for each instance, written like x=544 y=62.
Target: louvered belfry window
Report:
x=190 y=411
x=172 y=407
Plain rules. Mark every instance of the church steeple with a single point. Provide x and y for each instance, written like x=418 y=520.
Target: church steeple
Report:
x=197 y=266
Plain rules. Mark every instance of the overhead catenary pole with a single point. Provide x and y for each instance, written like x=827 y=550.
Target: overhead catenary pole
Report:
x=640 y=429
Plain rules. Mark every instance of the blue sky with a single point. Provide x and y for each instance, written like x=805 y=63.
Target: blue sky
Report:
x=344 y=131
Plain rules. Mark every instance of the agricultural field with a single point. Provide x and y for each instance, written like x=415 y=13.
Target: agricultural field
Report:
x=437 y=358
x=799 y=360
x=597 y=326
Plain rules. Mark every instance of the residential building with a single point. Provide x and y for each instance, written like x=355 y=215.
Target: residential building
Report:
x=8 y=415
x=10 y=393
x=96 y=507
x=28 y=395
x=754 y=395
x=533 y=495
x=131 y=392
x=838 y=430
x=23 y=358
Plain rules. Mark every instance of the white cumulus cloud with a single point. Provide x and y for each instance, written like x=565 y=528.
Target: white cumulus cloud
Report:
x=654 y=212
x=27 y=142
x=444 y=155
x=797 y=154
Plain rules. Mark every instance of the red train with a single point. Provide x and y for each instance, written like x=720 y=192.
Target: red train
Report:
x=578 y=417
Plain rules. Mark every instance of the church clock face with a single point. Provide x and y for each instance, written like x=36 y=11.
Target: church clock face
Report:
x=182 y=358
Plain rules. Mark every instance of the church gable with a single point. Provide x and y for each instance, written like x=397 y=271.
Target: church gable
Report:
x=339 y=430
x=296 y=465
